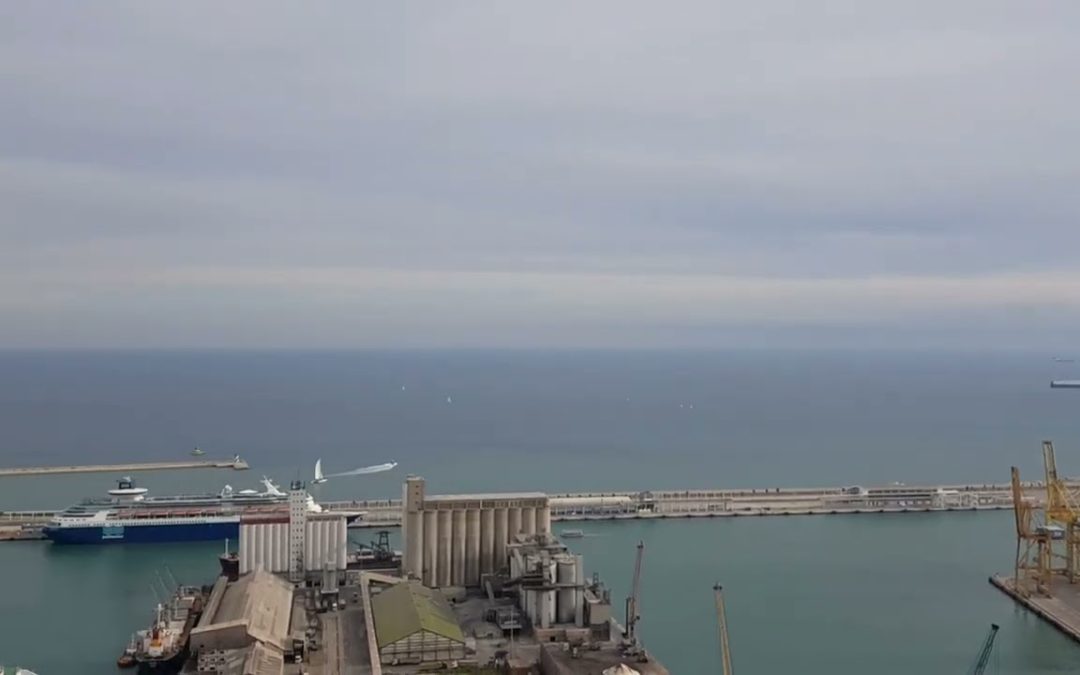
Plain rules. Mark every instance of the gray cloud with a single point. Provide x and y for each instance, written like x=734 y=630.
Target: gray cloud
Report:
x=618 y=173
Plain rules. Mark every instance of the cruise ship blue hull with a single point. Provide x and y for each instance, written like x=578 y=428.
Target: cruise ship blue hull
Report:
x=143 y=534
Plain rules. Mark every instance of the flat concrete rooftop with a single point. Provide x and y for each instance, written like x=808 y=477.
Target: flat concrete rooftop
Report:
x=485 y=497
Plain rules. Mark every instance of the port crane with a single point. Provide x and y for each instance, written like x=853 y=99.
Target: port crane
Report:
x=631 y=643
x=1033 y=545
x=1061 y=509
x=721 y=623
x=983 y=659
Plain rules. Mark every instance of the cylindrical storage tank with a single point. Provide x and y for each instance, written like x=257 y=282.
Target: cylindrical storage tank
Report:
x=513 y=516
x=329 y=553
x=242 y=549
x=269 y=550
x=279 y=548
x=282 y=530
x=414 y=545
x=528 y=520
x=472 y=547
x=501 y=538
x=309 y=544
x=267 y=547
x=549 y=608
x=445 y=543
x=579 y=595
x=566 y=596
x=431 y=548
x=526 y=606
x=343 y=547
x=458 y=573
x=316 y=546
x=487 y=541
x=321 y=544
x=543 y=520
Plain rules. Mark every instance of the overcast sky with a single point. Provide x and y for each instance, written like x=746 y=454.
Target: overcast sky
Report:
x=564 y=174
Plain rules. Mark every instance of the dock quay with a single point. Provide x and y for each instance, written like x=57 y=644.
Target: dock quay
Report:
x=624 y=505
x=1061 y=608
x=235 y=463
x=633 y=505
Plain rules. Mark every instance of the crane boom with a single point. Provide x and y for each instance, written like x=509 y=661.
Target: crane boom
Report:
x=633 y=613
x=1020 y=506
x=984 y=654
x=1059 y=503
x=721 y=622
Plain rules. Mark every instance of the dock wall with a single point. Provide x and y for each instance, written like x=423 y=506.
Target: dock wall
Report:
x=1056 y=610
x=236 y=464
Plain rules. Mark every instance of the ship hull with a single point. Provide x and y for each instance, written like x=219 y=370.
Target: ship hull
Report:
x=144 y=534
x=164 y=666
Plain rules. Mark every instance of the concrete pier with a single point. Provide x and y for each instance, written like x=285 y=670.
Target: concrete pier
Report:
x=725 y=503
x=1061 y=609
x=236 y=464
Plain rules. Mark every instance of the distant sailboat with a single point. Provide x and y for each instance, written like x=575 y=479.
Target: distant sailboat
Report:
x=197 y=452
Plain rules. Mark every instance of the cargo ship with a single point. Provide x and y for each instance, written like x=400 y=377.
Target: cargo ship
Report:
x=128 y=515
x=163 y=647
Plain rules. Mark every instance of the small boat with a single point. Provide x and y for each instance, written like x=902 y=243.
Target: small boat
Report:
x=127 y=659
x=197 y=452
x=572 y=534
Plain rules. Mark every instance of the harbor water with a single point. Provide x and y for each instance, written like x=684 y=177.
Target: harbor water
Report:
x=819 y=595
x=827 y=594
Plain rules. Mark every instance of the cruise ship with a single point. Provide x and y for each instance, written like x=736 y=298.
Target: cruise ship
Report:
x=129 y=515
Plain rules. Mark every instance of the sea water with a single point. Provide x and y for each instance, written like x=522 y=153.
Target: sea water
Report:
x=827 y=594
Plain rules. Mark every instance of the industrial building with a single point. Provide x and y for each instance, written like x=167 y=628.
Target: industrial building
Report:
x=294 y=542
x=455 y=540
x=598 y=506
x=415 y=624
x=246 y=627
x=255 y=608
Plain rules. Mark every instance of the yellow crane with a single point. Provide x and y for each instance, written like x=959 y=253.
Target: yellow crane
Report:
x=1061 y=509
x=721 y=623
x=1033 y=543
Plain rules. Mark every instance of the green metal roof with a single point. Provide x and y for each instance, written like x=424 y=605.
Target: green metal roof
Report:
x=410 y=607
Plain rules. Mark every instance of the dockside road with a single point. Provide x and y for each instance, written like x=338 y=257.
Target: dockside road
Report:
x=626 y=505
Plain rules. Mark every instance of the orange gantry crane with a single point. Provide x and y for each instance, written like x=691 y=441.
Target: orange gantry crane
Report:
x=1033 y=544
x=1062 y=515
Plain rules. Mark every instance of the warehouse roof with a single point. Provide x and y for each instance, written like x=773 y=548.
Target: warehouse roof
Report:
x=408 y=608
x=259 y=601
